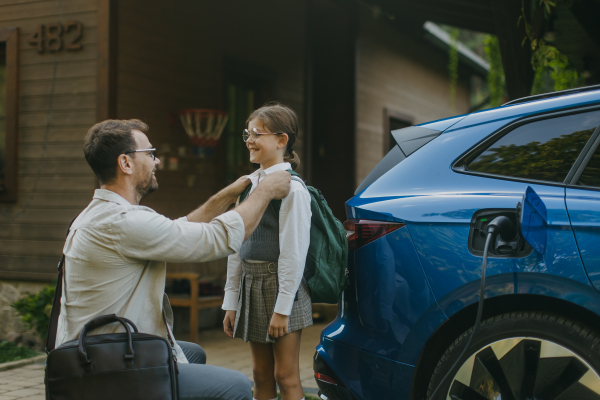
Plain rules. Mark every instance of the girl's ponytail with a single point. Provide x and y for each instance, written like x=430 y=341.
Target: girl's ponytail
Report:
x=292 y=158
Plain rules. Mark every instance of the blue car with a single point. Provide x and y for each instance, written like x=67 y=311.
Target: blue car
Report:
x=423 y=235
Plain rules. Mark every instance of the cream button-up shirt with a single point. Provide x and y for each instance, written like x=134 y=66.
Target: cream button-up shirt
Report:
x=115 y=257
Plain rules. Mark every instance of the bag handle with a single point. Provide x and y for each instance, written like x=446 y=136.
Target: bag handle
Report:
x=101 y=321
x=53 y=325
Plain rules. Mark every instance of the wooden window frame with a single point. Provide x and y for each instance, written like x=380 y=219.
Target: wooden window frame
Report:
x=387 y=114
x=11 y=37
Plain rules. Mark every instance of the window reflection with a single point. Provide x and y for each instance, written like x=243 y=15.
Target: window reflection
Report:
x=591 y=173
x=543 y=150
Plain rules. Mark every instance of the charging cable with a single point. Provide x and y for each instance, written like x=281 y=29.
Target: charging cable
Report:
x=504 y=227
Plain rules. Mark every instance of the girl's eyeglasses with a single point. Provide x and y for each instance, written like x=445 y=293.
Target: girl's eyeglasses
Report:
x=254 y=134
x=152 y=152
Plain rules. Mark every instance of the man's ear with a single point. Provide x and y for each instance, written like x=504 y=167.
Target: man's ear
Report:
x=283 y=139
x=124 y=164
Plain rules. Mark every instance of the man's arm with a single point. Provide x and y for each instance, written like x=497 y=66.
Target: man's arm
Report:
x=219 y=203
x=276 y=185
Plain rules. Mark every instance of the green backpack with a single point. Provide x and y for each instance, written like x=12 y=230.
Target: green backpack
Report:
x=325 y=270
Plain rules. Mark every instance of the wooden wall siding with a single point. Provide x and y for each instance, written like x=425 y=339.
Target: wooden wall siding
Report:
x=31 y=243
x=171 y=56
x=399 y=73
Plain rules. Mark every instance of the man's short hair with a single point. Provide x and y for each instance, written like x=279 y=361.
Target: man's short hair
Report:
x=106 y=141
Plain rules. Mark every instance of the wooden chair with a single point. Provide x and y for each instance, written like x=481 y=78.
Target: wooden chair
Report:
x=195 y=273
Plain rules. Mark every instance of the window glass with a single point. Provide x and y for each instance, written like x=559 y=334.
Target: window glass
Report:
x=591 y=173
x=543 y=150
x=394 y=124
x=2 y=116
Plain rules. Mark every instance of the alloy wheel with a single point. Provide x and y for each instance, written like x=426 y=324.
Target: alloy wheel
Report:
x=525 y=368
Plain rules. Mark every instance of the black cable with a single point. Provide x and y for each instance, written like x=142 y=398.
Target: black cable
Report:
x=479 y=307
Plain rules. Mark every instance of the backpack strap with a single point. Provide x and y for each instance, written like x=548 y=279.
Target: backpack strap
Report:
x=53 y=325
x=245 y=193
x=276 y=204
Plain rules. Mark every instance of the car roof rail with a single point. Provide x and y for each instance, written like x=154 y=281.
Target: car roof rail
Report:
x=552 y=94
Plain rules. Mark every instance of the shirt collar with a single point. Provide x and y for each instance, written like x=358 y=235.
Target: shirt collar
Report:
x=109 y=195
x=284 y=166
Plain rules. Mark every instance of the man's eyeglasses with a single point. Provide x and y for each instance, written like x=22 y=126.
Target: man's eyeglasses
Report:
x=254 y=134
x=152 y=152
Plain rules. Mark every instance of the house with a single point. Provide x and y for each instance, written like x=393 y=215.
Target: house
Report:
x=350 y=74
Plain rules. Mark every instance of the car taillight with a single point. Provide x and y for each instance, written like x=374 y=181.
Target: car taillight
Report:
x=325 y=378
x=362 y=231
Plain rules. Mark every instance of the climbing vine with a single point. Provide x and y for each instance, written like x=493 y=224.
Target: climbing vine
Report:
x=546 y=59
x=453 y=65
x=495 y=77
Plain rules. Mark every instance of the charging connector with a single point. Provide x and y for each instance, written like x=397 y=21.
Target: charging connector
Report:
x=500 y=228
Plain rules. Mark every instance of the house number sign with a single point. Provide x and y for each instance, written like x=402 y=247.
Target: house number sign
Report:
x=57 y=37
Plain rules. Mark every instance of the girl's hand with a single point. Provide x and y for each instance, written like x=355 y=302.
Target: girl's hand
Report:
x=279 y=325
x=229 y=322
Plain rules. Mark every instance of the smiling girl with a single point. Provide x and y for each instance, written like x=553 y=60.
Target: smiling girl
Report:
x=267 y=300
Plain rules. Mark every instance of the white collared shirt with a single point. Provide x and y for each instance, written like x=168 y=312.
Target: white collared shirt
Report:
x=294 y=239
x=115 y=257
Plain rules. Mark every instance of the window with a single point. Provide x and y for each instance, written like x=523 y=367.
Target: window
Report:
x=8 y=114
x=543 y=150
x=591 y=173
x=393 y=120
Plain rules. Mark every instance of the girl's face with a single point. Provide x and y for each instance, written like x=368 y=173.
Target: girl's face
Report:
x=267 y=150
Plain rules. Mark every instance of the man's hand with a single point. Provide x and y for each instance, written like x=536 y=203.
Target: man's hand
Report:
x=229 y=322
x=277 y=183
x=279 y=325
x=237 y=187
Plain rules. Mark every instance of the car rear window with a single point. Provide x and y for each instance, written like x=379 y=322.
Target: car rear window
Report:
x=542 y=150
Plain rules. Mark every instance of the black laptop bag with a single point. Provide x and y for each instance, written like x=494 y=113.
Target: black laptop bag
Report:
x=114 y=366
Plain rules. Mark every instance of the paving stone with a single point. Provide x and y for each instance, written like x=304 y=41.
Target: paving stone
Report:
x=25 y=392
x=6 y=397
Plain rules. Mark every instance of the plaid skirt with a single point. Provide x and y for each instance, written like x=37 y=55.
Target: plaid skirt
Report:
x=259 y=286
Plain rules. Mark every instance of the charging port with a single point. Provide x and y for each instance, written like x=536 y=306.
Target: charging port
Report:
x=516 y=247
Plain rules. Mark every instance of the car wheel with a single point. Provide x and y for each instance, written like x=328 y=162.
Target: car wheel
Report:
x=521 y=356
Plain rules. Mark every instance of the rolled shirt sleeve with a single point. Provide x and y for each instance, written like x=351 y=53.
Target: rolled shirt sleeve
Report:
x=145 y=234
x=294 y=239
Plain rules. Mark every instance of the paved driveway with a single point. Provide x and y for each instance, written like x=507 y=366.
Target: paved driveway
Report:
x=28 y=382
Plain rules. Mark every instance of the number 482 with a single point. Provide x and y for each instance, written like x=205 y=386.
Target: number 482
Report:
x=51 y=36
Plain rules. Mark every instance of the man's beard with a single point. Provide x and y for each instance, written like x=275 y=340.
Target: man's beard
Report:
x=143 y=189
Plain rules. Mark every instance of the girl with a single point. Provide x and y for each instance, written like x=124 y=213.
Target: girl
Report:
x=267 y=301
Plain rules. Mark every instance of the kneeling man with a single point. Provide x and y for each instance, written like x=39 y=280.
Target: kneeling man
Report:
x=116 y=250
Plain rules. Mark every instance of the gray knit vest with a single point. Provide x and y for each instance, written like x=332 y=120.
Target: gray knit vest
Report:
x=263 y=244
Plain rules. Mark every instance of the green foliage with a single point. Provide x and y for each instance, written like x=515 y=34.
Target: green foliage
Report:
x=495 y=78
x=35 y=310
x=453 y=65
x=544 y=161
x=547 y=60
x=10 y=351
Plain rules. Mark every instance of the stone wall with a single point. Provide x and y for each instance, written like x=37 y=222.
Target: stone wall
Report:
x=11 y=327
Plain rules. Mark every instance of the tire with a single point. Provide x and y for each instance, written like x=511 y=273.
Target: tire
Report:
x=522 y=356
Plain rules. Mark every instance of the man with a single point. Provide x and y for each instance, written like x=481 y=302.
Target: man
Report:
x=116 y=250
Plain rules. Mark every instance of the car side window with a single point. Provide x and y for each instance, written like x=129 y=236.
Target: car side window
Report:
x=543 y=150
x=591 y=173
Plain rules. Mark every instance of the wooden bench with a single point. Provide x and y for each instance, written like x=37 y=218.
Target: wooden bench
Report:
x=192 y=301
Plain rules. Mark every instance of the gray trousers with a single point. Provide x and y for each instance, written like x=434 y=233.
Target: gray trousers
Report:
x=203 y=382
